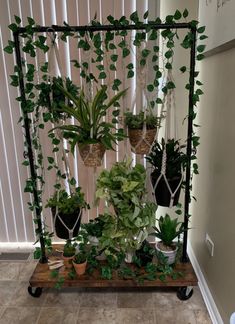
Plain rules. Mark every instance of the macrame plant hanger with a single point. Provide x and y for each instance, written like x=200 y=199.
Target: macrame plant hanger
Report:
x=170 y=122
x=54 y=57
x=141 y=73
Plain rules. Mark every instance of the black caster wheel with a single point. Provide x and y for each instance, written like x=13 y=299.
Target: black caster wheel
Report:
x=35 y=291
x=184 y=293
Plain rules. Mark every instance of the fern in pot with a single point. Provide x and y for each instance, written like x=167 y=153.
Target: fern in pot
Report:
x=91 y=133
x=175 y=164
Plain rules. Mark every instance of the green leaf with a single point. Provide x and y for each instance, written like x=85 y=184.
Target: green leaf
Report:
x=201 y=29
x=199 y=92
x=102 y=75
x=130 y=74
x=112 y=67
x=170 y=85
x=13 y=27
x=202 y=37
x=73 y=182
x=146 y=14
x=145 y=52
x=153 y=35
x=185 y=13
x=150 y=87
x=130 y=66
x=159 y=101
x=8 y=49
x=199 y=83
x=201 y=48
x=31 y=21
x=114 y=57
x=200 y=57
x=17 y=19
x=183 y=69
x=125 y=52
x=26 y=163
x=168 y=66
x=177 y=15
x=50 y=159
x=169 y=54
x=134 y=17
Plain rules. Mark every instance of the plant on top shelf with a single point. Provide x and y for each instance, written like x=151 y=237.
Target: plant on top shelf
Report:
x=92 y=134
x=168 y=229
x=123 y=187
x=176 y=162
x=139 y=141
x=65 y=211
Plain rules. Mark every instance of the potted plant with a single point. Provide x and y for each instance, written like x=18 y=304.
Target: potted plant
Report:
x=141 y=138
x=123 y=187
x=94 y=229
x=168 y=229
x=68 y=253
x=176 y=162
x=80 y=262
x=92 y=134
x=67 y=212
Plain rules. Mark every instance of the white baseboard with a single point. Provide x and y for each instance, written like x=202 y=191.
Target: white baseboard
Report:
x=206 y=294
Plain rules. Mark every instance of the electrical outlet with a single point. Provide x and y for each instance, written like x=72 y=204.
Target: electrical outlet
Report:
x=210 y=245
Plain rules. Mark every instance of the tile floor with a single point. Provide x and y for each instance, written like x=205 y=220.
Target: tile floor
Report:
x=74 y=306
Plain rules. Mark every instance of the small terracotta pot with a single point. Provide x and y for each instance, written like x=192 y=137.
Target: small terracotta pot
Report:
x=68 y=261
x=80 y=268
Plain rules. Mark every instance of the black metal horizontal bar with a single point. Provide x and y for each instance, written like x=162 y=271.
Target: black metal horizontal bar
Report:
x=40 y=29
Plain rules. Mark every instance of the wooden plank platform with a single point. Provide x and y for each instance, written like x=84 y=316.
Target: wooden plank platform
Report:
x=42 y=277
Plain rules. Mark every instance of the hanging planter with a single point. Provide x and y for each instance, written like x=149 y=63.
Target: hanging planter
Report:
x=142 y=131
x=92 y=134
x=162 y=192
x=141 y=141
x=63 y=222
x=168 y=162
x=92 y=154
x=67 y=212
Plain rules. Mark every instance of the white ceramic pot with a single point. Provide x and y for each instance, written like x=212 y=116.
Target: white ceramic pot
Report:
x=170 y=255
x=93 y=240
x=129 y=256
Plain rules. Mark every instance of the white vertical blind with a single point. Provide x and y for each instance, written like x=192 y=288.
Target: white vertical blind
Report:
x=16 y=223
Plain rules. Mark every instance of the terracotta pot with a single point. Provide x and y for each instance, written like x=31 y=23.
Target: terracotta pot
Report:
x=141 y=144
x=170 y=255
x=92 y=154
x=80 y=268
x=68 y=261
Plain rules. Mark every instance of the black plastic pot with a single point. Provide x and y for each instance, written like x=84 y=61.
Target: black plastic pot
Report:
x=162 y=193
x=69 y=220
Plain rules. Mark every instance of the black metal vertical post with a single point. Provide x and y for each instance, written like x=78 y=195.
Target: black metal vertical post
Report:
x=189 y=142
x=29 y=146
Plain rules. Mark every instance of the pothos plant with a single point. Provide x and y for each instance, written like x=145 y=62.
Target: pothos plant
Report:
x=100 y=51
x=123 y=187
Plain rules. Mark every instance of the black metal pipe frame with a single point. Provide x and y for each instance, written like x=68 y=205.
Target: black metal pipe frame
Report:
x=43 y=258
x=189 y=143
x=55 y=28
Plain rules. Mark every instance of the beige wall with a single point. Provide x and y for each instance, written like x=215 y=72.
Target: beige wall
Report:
x=215 y=185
